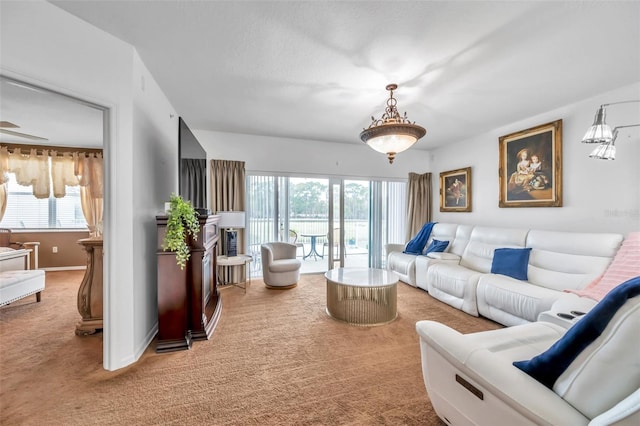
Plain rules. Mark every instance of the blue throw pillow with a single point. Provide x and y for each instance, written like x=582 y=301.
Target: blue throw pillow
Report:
x=549 y=365
x=436 y=246
x=512 y=262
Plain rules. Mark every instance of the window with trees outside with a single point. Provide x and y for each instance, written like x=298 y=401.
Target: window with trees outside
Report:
x=283 y=208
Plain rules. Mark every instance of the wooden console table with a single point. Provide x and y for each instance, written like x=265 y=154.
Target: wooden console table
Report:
x=90 y=291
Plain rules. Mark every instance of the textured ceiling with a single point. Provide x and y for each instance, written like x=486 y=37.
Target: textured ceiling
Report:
x=317 y=70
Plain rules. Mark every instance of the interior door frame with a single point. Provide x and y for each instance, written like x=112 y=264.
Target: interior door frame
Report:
x=331 y=256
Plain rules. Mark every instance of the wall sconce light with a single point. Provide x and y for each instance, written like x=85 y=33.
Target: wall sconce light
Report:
x=601 y=133
x=391 y=133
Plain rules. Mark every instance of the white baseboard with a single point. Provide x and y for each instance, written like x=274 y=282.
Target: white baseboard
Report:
x=65 y=268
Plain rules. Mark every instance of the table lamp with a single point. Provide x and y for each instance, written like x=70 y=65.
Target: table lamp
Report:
x=228 y=221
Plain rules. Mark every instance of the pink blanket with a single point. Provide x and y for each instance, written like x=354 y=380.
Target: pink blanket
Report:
x=624 y=266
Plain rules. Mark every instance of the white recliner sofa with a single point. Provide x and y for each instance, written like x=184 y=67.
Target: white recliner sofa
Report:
x=471 y=379
x=558 y=261
x=462 y=278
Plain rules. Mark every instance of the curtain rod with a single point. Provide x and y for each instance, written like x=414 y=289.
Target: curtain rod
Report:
x=59 y=149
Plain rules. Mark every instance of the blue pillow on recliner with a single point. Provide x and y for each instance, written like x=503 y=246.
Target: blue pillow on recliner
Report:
x=512 y=262
x=436 y=246
x=549 y=365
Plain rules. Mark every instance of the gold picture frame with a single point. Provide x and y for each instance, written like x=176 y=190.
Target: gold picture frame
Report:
x=455 y=190
x=530 y=169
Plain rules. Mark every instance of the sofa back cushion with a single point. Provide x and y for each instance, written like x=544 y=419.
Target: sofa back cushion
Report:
x=442 y=232
x=569 y=260
x=478 y=254
x=463 y=235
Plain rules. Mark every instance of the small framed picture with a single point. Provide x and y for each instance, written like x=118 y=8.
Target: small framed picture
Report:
x=530 y=167
x=455 y=190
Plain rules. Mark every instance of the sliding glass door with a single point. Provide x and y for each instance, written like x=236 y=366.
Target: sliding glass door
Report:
x=335 y=222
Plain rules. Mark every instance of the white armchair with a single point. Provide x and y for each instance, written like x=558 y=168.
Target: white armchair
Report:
x=471 y=380
x=280 y=268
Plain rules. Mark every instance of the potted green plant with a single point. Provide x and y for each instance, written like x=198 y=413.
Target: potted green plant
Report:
x=182 y=222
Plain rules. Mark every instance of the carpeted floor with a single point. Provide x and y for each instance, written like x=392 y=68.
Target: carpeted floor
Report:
x=275 y=358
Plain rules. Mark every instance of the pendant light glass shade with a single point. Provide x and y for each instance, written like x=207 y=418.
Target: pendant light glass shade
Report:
x=605 y=151
x=599 y=132
x=391 y=133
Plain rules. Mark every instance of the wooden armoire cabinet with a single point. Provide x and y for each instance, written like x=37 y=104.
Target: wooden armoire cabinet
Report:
x=189 y=302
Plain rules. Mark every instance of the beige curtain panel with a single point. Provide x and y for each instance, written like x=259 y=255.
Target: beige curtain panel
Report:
x=3 y=200
x=228 y=194
x=418 y=203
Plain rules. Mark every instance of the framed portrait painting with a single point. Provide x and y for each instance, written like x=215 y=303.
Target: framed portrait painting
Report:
x=530 y=169
x=455 y=190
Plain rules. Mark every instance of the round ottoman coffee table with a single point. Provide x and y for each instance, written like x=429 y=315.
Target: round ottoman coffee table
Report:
x=362 y=296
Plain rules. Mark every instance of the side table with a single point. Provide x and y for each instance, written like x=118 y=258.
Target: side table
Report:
x=234 y=261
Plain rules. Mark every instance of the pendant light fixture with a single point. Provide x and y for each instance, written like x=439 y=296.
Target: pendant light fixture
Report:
x=391 y=133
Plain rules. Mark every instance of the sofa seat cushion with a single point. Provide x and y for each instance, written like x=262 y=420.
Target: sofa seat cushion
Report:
x=454 y=285
x=15 y=285
x=284 y=265
x=512 y=302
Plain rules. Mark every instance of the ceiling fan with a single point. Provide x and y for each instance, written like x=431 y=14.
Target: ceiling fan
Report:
x=4 y=125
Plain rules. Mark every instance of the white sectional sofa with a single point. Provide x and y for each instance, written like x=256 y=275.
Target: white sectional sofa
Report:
x=461 y=276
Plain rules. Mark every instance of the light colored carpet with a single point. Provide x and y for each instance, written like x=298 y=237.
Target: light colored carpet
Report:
x=275 y=358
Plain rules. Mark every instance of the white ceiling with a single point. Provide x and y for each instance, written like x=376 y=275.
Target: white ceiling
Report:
x=317 y=70
x=60 y=120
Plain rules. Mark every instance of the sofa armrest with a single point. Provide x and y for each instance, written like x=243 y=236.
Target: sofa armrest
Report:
x=14 y=259
x=567 y=304
x=394 y=247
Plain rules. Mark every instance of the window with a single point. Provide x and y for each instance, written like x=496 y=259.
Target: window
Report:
x=24 y=211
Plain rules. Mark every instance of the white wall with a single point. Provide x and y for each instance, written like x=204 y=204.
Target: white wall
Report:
x=44 y=45
x=155 y=168
x=598 y=195
x=303 y=157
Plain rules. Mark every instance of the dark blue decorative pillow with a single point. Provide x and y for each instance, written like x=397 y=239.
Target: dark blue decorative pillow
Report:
x=512 y=262
x=549 y=365
x=436 y=246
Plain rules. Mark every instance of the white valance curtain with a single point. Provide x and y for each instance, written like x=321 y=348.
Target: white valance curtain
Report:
x=33 y=169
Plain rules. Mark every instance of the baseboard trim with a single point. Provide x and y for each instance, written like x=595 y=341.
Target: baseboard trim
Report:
x=65 y=268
